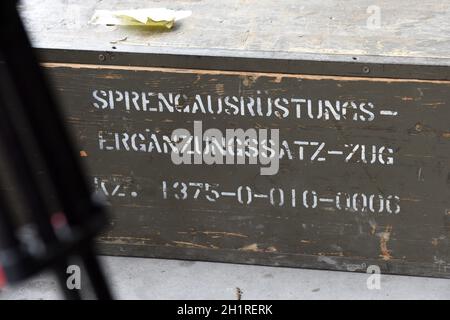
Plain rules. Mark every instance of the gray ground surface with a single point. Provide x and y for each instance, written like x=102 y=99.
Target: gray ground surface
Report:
x=138 y=278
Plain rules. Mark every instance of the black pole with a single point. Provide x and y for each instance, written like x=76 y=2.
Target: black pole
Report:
x=34 y=107
x=43 y=117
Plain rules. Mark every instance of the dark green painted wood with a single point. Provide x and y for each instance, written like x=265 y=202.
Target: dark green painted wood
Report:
x=413 y=241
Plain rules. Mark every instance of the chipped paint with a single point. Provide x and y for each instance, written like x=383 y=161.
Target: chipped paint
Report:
x=251 y=247
x=255 y=75
x=443 y=266
x=410 y=199
x=355 y=267
x=239 y=293
x=125 y=240
x=373 y=226
x=254 y=248
x=112 y=76
x=384 y=239
x=194 y=245
x=264 y=234
x=278 y=79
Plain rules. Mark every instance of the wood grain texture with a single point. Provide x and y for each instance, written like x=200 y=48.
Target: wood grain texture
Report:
x=330 y=29
x=412 y=241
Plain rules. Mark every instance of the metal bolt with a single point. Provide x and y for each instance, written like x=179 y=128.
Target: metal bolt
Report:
x=366 y=69
x=101 y=57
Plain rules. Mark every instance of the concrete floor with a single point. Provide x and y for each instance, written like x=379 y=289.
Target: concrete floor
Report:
x=137 y=278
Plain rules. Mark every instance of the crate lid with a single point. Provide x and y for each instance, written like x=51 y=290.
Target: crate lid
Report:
x=416 y=31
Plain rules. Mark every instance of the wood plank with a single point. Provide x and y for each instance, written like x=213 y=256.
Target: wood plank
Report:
x=327 y=29
x=367 y=161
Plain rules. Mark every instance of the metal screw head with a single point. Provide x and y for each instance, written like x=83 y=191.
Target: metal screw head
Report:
x=366 y=69
x=101 y=57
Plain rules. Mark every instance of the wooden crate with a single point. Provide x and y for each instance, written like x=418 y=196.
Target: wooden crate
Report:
x=361 y=102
